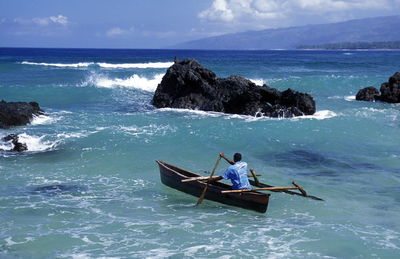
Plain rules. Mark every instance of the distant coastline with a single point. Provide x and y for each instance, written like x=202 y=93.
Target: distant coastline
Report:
x=384 y=45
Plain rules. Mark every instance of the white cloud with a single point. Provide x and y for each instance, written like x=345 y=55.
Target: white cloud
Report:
x=256 y=14
x=60 y=19
x=116 y=31
x=338 y=5
x=218 y=11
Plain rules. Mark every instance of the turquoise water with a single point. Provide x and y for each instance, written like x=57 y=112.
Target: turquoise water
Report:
x=100 y=137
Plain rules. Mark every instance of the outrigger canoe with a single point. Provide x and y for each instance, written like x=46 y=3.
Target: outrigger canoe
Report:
x=172 y=176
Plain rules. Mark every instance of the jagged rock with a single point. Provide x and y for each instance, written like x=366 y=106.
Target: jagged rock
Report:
x=18 y=146
x=368 y=94
x=389 y=91
x=17 y=113
x=189 y=85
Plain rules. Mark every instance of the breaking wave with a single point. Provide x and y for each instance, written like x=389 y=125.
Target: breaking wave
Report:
x=134 y=81
x=103 y=65
x=257 y=81
x=36 y=143
x=137 y=65
x=74 y=65
x=44 y=143
x=43 y=119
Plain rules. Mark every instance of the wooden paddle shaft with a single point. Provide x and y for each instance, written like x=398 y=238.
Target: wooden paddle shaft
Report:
x=200 y=178
x=300 y=188
x=203 y=194
x=260 y=189
x=249 y=175
x=253 y=173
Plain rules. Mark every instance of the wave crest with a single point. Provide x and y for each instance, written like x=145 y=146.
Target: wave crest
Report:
x=134 y=81
x=74 y=65
x=102 y=65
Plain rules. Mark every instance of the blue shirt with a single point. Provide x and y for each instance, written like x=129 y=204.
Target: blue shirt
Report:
x=237 y=173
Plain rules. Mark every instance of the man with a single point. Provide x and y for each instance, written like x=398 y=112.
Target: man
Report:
x=237 y=172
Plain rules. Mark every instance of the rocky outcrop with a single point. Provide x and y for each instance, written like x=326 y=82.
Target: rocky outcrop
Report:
x=389 y=91
x=368 y=94
x=189 y=85
x=18 y=146
x=17 y=113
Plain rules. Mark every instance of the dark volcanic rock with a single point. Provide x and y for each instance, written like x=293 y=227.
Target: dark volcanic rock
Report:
x=389 y=92
x=368 y=94
x=17 y=113
x=189 y=85
x=18 y=146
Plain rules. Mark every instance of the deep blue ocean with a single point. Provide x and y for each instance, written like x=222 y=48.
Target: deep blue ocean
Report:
x=100 y=138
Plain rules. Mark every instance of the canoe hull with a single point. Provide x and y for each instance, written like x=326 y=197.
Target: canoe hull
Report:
x=171 y=176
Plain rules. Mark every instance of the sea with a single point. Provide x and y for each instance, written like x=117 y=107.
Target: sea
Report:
x=89 y=186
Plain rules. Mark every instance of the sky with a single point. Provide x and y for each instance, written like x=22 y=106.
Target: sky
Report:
x=163 y=23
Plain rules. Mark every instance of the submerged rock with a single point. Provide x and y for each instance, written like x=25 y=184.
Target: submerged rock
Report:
x=59 y=189
x=389 y=91
x=18 y=146
x=189 y=85
x=17 y=113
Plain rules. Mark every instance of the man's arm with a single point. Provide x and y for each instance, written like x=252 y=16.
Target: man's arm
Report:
x=222 y=155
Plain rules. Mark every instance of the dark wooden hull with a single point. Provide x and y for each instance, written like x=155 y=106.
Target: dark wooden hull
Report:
x=172 y=176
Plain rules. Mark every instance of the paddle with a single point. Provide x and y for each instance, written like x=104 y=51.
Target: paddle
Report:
x=253 y=173
x=249 y=175
x=260 y=189
x=201 y=178
x=203 y=194
x=300 y=188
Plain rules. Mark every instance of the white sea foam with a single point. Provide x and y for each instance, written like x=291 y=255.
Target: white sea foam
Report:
x=6 y=145
x=149 y=130
x=73 y=135
x=137 y=65
x=134 y=81
x=74 y=65
x=42 y=119
x=257 y=81
x=193 y=112
x=35 y=143
x=103 y=65
x=11 y=242
x=350 y=98
x=319 y=115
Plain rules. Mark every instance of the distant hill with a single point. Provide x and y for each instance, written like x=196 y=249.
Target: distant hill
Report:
x=355 y=45
x=378 y=29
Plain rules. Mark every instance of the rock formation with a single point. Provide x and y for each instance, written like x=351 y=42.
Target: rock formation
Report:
x=18 y=146
x=17 y=113
x=189 y=85
x=389 y=92
x=368 y=94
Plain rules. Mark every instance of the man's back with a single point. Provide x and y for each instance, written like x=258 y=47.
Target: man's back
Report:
x=237 y=173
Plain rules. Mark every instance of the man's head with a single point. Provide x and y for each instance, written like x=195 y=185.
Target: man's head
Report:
x=237 y=157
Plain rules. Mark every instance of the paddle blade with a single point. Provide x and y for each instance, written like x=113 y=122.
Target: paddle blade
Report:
x=203 y=194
